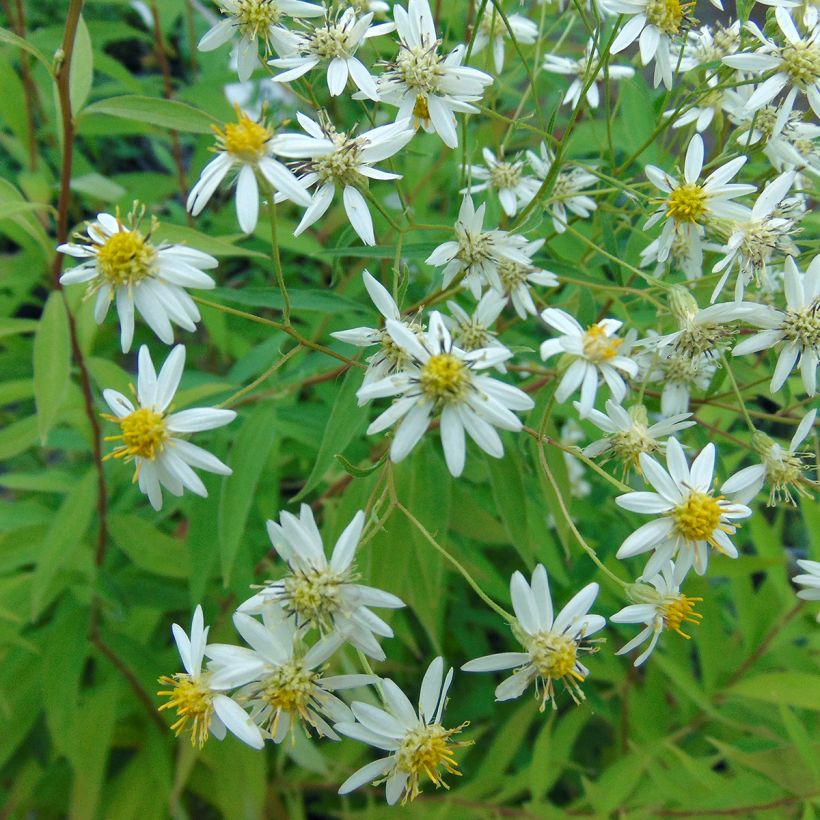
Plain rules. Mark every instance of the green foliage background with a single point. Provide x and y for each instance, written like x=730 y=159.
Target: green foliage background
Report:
x=723 y=724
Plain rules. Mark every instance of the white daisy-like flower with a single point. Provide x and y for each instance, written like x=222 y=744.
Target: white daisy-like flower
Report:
x=149 y=434
x=506 y=177
x=493 y=31
x=202 y=708
x=567 y=190
x=476 y=255
x=474 y=332
x=442 y=380
x=798 y=327
x=679 y=374
x=752 y=242
x=579 y=71
x=282 y=682
x=245 y=145
x=692 y=517
x=660 y=605
x=418 y=743
x=388 y=358
x=332 y=158
x=782 y=468
x=552 y=645
x=809 y=580
x=688 y=204
x=593 y=354
x=709 y=44
x=325 y=594
x=425 y=85
x=516 y=285
x=657 y=25
x=255 y=21
x=629 y=433
x=795 y=65
x=796 y=145
x=709 y=105
x=121 y=263
x=335 y=42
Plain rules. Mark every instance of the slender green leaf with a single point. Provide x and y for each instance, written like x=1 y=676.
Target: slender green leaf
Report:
x=172 y=114
x=52 y=363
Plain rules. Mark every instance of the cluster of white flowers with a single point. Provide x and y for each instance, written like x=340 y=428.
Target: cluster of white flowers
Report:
x=452 y=374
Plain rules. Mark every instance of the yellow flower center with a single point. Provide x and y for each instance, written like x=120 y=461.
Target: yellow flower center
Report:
x=423 y=750
x=342 y=164
x=598 y=347
x=126 y=257
x=418 y=68
x=554 y=655
x=686 y=203
x=698 y=516
x=505 y=175
x=314 y=595
x=142 y=434
x=255 y=17
x=444 y=378
x=193 y=702
x=244 y=139
x=803 y=326
x=329 y=42
x=680 y=610
x=801 y=61
x=667 y=15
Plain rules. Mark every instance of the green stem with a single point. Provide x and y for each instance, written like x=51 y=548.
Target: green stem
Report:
x=277 y=261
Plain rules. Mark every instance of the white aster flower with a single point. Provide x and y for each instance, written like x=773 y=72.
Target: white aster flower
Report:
x=325 y=594
x=149 y=434
x=122 y=263
x=333 y=158
x=441 y=379
x=593 y=354
x=567 y=190
x=388 y=358
x=679 y=374
x=796 y=145
x=197 y=701
x=516 y=283
x=629 y=433
x=579 y=71
x=418 y=742
x=476 y=255
x=506 y=178
x=660 y=606
x=335 y=42
x=810 y=580
x=282 y=682
x=702 y=114
x=753 y=241
x=473 y=332
x=657 y=25
x=425 y=85
x=783 y=469
x=709 y=44
x=255 y=21
x=798 y=326
x=795 y=65
x=493 y=30
x=692 y=518
x=552 y=645
x=688 y=204
x=245 y=145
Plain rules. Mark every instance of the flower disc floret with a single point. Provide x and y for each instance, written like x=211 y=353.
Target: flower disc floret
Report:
x=255 y=17
x=687 y=203
x=193 y=702
x=126 y=257
x=342 y=164
x=245 y=139
x=289 y=688
x=698 y=516
x=424 y=751
x=315 y=594
x=554 y=656
x=598 y=347
x=801 y=61
x=419 y=68
x=143 y=434
x=803 y=326
x=505 y=174
x=680 y=610
x=444 y=378
x=667 y=15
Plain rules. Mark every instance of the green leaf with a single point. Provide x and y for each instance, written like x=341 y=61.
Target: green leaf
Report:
x=248 y=457
x=214 y=245
x=352 y=469
x=318 y=301
x=346 y=421
x=149 y=548
x=52 y=363
x=154 y=111
x=10 y=327
x=64 y=536
x=18 y=436
x=792 y=688
x=506 y=479
x=81 y=75
x=99 y=187
x=12 y=39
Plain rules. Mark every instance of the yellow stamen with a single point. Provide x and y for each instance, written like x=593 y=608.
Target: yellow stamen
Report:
x=444 y=378
x=598 y=347
x=687 y=203
x=679 y=610
x=698 y=516
x=193 y=702
x=244 y=139
x=143 y=434
x=126 y=257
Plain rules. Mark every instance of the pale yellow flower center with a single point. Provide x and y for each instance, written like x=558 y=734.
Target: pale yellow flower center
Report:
x=444 y=378
x=679 y=610
x=342 y=164
x=255 y=17
x=687 y=203
x=424 y=751
x=143 y=434
x=419 y=68
x=554 y=655
x=667 y=15
x=803 y=326
x=244 y=139
x=598 y=347
x=505 y=175
x=314 y=594
x=193 y=702
x=698 y=516
x=801 y=61
x=125 y=258
x=328 y=42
